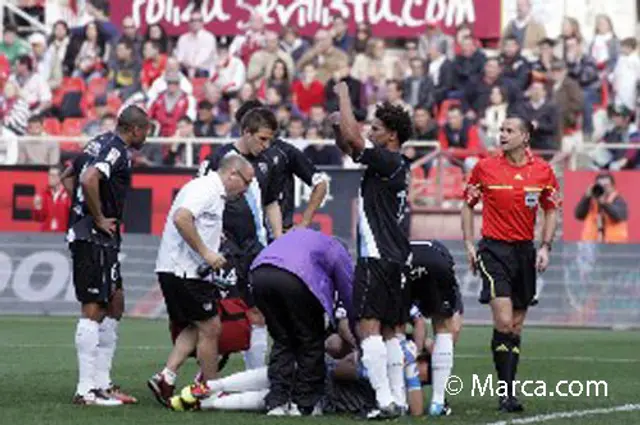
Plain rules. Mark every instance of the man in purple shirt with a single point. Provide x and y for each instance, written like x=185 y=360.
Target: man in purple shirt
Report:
x=294 y=281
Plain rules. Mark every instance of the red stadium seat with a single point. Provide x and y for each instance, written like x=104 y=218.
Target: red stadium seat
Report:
x=72 y=127
x=98 y=86
x=5 y=67
x=114 y=103
x=73 y=84
x=52 y=126
x=198 y=87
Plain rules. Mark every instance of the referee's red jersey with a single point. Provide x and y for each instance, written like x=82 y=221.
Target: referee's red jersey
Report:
x=511 y=195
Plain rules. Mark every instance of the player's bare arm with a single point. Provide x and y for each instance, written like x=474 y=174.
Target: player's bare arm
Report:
x=68 y=180
x=549 y=224
x=467 y=233
x=318 y=194
x=184 y=222
x=90 y=181
x=274 y=218
x=349 y=129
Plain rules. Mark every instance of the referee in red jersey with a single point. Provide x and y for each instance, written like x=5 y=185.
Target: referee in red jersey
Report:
x=511 y=186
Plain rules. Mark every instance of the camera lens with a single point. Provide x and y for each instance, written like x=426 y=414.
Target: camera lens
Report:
x=598 y=190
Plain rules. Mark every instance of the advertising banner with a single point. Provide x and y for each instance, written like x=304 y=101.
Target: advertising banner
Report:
x=586 y=284
x=388 y=18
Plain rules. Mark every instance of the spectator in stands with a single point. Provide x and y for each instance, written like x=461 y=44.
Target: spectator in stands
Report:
x=213 y=94
x=292 y=43
x=307 y=90
x=160 y=84
x=514 y=66
x=460 y=135
x=605 y=46
x=90 y=57
x=34 y=152
x=418 y=88
x=171 y=105
x=96 y=126
x=396 y=95
x=468 y=65
x=157 y=34
x=434 y=34
x=33 y=88
x=177 y=153
x=424 y=126
x=568 y=97
x=244 y=46
x=14 y=111
x=318 y=117
x=604 y=212
x=526 y=30
x=318 y=153
x=339 y=33
x=204 y=125
x=375 y=88
x=197 y=49
x=247 y=92
x=51 y=205
x=361 y=40
x=626 y=75
x=38 y=43
x=124 y=72
x=262 y=61
x=343 y=73
x=153 y=66
x=543 y=115
x=624 y=131
x=403 y=63
x=324 y=56
x=12 y=47
x=131 y=36
x=295 y=130
x=479 y=89
x=494 y=116
x=229 y=74
x=583 y=69
x=56 y=53
x=541 y=68
x=376 y=57
x=570 y=29
x=440 y=71
x=279 y=79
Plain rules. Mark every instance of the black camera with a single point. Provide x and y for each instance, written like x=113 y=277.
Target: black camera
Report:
x=597 y=190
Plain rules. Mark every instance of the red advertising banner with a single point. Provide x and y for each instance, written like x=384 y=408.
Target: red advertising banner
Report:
x=576 y=184
x=388 y=18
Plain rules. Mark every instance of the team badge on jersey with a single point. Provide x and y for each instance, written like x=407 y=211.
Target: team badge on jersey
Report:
x=531 y=199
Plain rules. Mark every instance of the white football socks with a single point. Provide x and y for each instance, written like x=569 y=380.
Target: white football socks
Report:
x=87 y=339
x=106 y=349
x=255 y=357
x=442 y=364
x=169 y=376
x=395 y=372
x=249 y=380
x=249 y=400
x=374 y=359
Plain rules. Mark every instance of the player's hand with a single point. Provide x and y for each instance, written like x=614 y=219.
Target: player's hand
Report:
x=472 y=257
x=37 y=202
x=341 y=89
x=542 y=259
x=215 y=260
x=107 y=225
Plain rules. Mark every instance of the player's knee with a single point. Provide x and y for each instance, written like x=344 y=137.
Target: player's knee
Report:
x=93 y=311
x=210 y=329
x=368 y=327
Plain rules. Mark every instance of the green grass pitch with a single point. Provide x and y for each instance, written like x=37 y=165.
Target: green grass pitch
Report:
x=38 y=376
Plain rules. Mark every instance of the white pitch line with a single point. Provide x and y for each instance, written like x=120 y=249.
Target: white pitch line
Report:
x=570 y=414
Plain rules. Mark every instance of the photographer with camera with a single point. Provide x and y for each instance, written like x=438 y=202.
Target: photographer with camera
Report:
x=604 y=212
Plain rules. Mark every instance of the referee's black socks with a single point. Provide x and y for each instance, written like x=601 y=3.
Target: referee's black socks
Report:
x=502 y=349
x=515 y=354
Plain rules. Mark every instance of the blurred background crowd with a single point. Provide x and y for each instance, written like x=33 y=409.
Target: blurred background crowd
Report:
x=576 y=88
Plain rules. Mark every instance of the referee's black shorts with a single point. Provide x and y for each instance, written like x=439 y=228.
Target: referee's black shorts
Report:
x=188 y=300
x=508 y=269
x=380 y=292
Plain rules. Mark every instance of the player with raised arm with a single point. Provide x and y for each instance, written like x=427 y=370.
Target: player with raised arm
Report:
x=244 y=218
x=383 y=245
x=94 y=240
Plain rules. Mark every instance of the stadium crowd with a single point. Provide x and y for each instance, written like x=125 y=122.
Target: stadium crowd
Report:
x=74 y=81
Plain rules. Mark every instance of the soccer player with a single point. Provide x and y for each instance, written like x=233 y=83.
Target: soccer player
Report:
x=383 y=245
x=512 y=187
x=191 y=239
x=435 y=293
x=244 y=218
x=94 y=240
x=287 y=161
x=294 y=280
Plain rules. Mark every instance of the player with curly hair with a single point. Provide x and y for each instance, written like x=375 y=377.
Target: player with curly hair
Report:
x=383 y=244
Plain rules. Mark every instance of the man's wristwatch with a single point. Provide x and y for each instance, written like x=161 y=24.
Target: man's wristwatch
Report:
x=547 y=244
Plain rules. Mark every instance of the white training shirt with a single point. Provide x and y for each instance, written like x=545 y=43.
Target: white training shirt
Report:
x=204 y=197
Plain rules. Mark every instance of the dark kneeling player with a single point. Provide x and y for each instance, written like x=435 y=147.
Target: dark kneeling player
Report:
x=435 y=293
